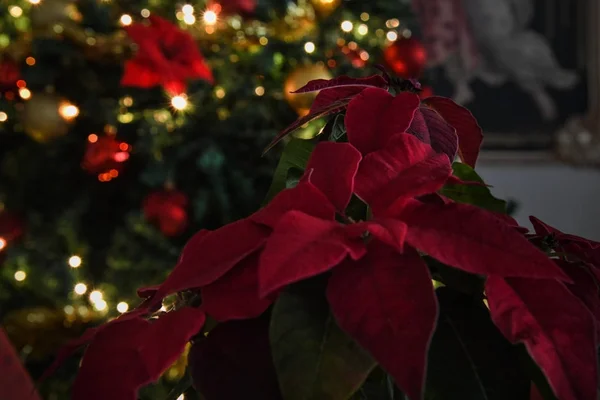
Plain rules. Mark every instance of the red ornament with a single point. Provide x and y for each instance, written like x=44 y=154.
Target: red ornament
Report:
x=167 y=209
x=166 y=56
x=406 y=57
x=9 y=75
x=105 y=156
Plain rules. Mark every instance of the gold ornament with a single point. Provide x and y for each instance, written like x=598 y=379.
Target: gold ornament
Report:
x=41 y=331
x=298 y=78
x=325 y=8
x=47 y=14
x=46 y=116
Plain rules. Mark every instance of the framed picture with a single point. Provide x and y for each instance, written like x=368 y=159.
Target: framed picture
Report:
x=521 y=66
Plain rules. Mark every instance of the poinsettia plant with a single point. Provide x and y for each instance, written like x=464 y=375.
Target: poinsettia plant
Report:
x=377 y=268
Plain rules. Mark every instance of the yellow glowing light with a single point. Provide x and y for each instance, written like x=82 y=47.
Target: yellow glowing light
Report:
x=15 y=11
x=3 y=116
x=20 y=276
x=220 y=92
x=309 y=47
x=210 y=17
x=96 y=296
x=100 y=305
x=189 y=19
x=127 y=101
x=25 y=93
x=187 y=9
x=163 y=309
x=2 y=243
x=74 y=261
x=145 y=13
x=363 y=29
x=80 y=288
x=364 y=16
x=126 y=19
x=392 y=36
x=35 y=1
x=347 y=26
x=68 y=111
x=179 y=102
x=122 y=307
x=259 y=90
x=69 y=310
x=263 y=40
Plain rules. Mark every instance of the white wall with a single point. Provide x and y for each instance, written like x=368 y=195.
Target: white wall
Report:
x=565 y=197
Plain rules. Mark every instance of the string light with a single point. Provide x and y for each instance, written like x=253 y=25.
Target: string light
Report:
x=3 y=116
x=2 y=243
x=187 y=9
x=20 y=276
x=309 y=47
x=259 y=90
x=35 y=2
x=122 y=307
x=25 y=93
x=220 y=92
x=30 y=61
x=69 y=309
x=15 y=11
x=210 y=17
x=75 y=261
x=100 y=305
x=179 y=102
x=96 y=296
x=68 y=111
x=80 y=288
x=363 y=29
x=392 y=36
x=189 y=19
x=364 y=16
x=181 y=397
x=145 y=13
x=126 y=19
x=347 y=26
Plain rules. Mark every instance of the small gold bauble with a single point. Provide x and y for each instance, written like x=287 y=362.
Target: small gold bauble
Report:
x=49 y=13
x=324 y=8
x=298 y=78
x=41 y=117
x=41 y=331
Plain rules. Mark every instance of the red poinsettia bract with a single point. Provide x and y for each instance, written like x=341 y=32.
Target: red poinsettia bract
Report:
x=379 y=286
x=166 y=56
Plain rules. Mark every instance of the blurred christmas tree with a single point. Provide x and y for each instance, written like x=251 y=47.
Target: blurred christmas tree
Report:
x=126 y=126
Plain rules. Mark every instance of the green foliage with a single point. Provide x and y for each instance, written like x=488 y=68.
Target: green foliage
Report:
x=472 y=194
x=311 y=353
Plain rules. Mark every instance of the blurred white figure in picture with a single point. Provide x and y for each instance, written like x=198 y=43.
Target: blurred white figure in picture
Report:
x=491 y=40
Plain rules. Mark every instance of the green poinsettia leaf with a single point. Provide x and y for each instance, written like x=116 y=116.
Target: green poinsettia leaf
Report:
x=469 y=358
x=479 y=196
x=338 y=129
x=313 y=357
x=295 y=155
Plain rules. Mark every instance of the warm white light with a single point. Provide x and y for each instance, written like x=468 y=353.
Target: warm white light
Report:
x=100 y=305
x=309 y=47
x=210 y=17
x=34 y=1
x=15 y=11
x=3 y=116
x=189 y=19
x=25 y=93
x=126 y=19
x=2 y=243
x=181 y=397
x=187 y=9
x=347 y=26
x=363 y=29
x=122 y=307
x=96 y=296
x=74 y=261
x=163 y=309
x=20 y=276
x=69 y=310
x=80 y=288
x=259 y=90
x=392 y=36
x=68 y=111
x=179 y=102
x=145 y=13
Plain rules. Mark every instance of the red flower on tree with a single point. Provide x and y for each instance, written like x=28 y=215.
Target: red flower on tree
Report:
x=376 y=281
x=166 y=56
